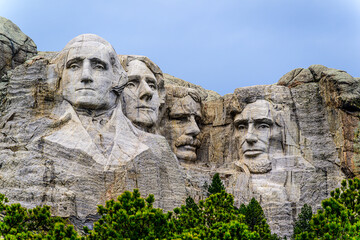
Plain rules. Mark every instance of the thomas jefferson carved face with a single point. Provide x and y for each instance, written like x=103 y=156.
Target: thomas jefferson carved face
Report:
x=253 y=128
x=88 y=77
x=140 y=98
x=184 y=115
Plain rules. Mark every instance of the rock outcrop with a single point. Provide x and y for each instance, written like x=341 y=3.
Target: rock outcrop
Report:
x=15 y=46
x=77 y=130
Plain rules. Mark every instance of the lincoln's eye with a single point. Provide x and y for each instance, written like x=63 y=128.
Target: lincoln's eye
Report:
x=241 y=127
x=263 y=126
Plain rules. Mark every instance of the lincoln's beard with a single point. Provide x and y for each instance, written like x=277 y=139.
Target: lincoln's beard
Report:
x=259 y=164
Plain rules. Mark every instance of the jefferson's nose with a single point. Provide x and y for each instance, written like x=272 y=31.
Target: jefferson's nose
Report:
x=193 y=128
x=145 y=92
x=86 y=74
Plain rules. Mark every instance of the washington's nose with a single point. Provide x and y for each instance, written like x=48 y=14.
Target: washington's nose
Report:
x=145 y=92
x=86 y=74
x=193 y=128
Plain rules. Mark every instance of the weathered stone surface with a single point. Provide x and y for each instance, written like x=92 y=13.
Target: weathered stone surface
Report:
x=83 y=125
x=65 y=141
x=15 y=46
x=207 y=95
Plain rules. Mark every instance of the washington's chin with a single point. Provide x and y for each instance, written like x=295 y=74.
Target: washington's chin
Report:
x=186 y=152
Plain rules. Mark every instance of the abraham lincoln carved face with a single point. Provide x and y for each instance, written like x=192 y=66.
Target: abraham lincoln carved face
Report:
x=255 y=129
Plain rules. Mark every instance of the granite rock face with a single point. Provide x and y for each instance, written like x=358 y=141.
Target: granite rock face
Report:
x=83 y=125
x=15 y=46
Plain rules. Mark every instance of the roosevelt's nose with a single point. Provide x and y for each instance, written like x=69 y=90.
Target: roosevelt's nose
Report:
x=145 y=92
x=86 y=74
x=192 y=128
x=250 y=136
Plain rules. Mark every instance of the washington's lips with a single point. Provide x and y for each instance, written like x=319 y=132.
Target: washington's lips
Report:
x=78 y=89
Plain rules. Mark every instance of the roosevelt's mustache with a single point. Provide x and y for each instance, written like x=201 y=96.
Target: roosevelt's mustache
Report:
x=187 y=140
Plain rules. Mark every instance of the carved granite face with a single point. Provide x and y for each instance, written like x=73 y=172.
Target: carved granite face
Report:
x=140 y=98
x=253 y=128
x=88 y=76
x=183 y=123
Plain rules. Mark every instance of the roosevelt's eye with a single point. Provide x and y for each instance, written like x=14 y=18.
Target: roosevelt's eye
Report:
x=263 y=126
x=241 y=126
x=180 y=119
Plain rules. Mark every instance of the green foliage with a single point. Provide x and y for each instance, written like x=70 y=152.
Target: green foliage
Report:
x=133 y=217
x=215 y=218
x=20 y=223
x=216 y=185
x=339 y=217
x=302 y=224
x=255 y=219
x=130 y=217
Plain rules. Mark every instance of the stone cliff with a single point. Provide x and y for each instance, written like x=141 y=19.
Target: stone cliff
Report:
x=83 y=125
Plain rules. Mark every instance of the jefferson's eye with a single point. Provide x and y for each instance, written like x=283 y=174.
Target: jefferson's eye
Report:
x=131 y=84
x=99 y=66
x=152 y=86
x=263 y=126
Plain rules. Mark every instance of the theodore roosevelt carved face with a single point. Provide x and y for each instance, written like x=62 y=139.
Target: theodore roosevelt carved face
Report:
x=254 y=131
x=182 y=123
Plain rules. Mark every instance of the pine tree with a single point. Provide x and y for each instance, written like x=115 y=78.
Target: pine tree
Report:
x=130 y=217
x=216 y=185
x=18 y=222
x=302 y=224
x=190 y=204
x=339 y=216
x=255 y=219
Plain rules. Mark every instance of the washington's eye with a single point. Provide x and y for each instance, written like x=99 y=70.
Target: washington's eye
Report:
x=263 y=126
x=74 y=66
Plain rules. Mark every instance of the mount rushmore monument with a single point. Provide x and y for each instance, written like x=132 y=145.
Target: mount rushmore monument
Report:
x=83 y=125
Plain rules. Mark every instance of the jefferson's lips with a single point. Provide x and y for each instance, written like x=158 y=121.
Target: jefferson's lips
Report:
x=146 y=107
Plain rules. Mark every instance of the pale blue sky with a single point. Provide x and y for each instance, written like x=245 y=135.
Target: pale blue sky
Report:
x=218 y=44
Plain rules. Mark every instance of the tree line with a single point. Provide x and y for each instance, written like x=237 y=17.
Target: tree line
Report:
x=216 y=217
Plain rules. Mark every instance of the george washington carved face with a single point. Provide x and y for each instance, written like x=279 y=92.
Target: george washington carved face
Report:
x=90 y=73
